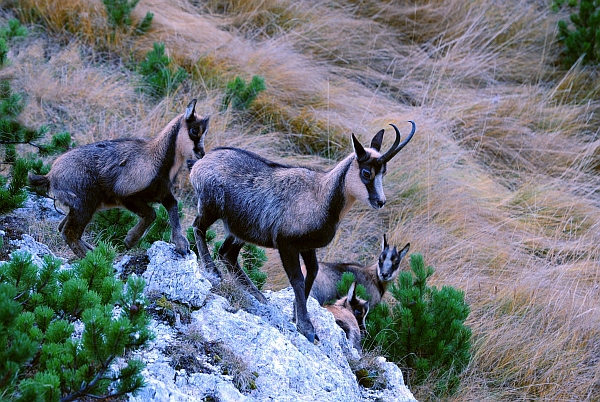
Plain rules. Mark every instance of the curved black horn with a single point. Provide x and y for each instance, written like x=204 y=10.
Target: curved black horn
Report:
x=397 y=147
x=388 y=155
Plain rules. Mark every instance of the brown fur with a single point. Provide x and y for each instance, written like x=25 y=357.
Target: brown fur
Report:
x=346 y=316
x=129 y=173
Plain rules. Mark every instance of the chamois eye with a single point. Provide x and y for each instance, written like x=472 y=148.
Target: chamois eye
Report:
x=194 y=131
x=366 y=174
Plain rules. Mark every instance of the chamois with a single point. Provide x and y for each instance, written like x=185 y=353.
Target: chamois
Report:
x=129 y=173
x=293 y=209
x=375 y=278
x=349 y=313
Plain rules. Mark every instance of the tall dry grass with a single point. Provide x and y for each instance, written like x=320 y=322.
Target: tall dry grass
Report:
x=498 y=189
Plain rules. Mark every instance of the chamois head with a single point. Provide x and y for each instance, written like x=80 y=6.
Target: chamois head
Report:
x=388 y=266
x=196 y=128
x=365 y=180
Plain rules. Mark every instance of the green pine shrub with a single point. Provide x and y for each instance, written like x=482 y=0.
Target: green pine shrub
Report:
x=160 y=77
x=423 y=330
x=119 y=14
x=584 y=38
x=42 y=357
x=240 y=95
x=12 y=133
x=111 y=226
x=253 y=259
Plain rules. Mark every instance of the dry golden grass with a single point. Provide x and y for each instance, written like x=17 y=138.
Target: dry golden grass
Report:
x=498 y=189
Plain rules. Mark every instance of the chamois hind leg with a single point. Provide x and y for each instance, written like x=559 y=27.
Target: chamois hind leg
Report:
x=229 y=253
x=71 y=229
x=181 y=243
x=147 y=216
x=312 y=268
x=200 y=225
x=290 y=258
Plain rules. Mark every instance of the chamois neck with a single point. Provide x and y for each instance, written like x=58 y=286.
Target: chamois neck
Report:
x=333 y=185
x=163 y=149
x=374 y=274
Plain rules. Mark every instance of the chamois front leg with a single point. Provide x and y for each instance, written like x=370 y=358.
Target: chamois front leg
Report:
x=147 y=216
x=181 y=243
x=290 y=258
x=229 y=253
x=200 y=227
x=312 y=268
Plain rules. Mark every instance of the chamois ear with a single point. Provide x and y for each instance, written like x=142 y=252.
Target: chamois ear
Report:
x=359 y=150
x=377 y=140
x=384 y=243
x=190 y=109
x=351 y=291
x=204 y=125
x=404 y=250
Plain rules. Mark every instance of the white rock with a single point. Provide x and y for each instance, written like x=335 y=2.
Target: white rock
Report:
x=176 y=276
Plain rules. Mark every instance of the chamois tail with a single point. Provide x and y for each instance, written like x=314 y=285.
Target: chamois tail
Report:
x=39 y=182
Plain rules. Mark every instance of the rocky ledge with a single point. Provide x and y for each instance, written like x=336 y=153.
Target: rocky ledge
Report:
x=214 y=350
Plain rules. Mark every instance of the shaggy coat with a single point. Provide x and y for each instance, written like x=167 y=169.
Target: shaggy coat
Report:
x=375 y=278
x=345 y=311
x=129 y=173
x=293 y=209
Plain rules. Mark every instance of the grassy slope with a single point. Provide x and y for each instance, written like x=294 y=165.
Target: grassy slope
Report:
x=497 y=189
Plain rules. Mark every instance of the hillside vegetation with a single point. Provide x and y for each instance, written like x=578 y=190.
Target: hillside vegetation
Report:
x=498 y=189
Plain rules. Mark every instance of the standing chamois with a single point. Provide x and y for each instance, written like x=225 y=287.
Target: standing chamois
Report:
x=350 y=312
x=129 y=173
x=293 y=209
x=375 y=278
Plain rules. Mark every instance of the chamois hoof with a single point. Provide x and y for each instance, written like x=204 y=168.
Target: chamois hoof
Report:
x=129 y=243
x=182 y=246
x=308 y=332
x=259 y=296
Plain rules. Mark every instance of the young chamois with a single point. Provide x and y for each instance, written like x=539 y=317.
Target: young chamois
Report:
x=129 y=173
x=375 y=278
x=350 y=312
x=293 y=209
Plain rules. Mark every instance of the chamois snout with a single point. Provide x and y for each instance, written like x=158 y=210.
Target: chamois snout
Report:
x=377 y=203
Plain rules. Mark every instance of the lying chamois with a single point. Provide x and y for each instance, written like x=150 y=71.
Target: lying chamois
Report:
x=130 y=173
x=350 y=313
x=293 y=209
x=375 y=278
